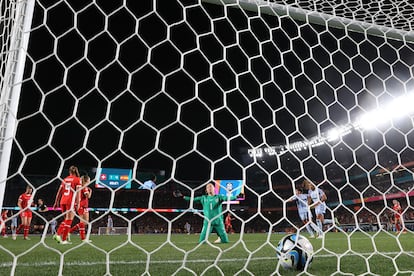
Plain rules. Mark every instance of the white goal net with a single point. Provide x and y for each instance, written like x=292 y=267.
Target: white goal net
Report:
x=259 y=95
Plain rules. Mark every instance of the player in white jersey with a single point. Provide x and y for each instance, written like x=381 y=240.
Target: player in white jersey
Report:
x=317 y=200
x=13 y=225
x=304 y=212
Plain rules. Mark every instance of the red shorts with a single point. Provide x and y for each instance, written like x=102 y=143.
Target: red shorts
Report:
x=82 y=211
x=26 y=214
x=65 y=207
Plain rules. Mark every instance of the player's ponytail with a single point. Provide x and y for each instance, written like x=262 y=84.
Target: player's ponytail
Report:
x=85 y=178
x=73 y=170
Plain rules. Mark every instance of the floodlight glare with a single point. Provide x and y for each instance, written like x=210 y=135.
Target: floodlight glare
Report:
x=336 y=133
x=402 y=106
x=398 y=108
x=372 y=119
x=333 y=134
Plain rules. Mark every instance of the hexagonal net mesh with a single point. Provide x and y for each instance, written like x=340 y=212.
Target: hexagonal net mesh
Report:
x=259 y=94
x=397 y=15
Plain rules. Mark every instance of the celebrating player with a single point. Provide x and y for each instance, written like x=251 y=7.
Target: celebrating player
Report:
x=304 y=212
x=317 y=200
x=65 y=195
x=398 y=220
x=85 y=194
x=213 y=214
x=150 y=183
x=24 y=202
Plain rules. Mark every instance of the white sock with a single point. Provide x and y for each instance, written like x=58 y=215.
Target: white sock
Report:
x=319 y=223
x=327 y=221
x=309 y=229
x=315 y=227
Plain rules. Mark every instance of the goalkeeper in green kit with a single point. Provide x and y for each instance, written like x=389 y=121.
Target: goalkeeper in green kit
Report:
x=213 y=213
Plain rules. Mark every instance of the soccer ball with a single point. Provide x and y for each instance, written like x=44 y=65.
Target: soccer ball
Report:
x=294 y=252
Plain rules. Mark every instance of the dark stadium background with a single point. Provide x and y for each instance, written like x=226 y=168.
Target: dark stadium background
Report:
x=88 y=130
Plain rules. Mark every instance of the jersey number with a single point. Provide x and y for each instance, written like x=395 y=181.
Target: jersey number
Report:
x=67 y=189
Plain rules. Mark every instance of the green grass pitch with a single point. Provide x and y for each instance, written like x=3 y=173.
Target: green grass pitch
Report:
x=250 y=254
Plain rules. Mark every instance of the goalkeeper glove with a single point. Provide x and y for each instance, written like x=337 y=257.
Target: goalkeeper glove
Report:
x=241 y=195
x=178 y=194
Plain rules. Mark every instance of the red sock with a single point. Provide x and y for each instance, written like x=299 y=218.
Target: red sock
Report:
x=82 y=230
x=26 y=231
x=19 y=228
x=61 y=227
x=74 y=228
x=3 y=230
x=68 y=224
x=398 y=227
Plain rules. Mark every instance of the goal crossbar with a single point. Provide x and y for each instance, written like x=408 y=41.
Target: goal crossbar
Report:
x=314 y=17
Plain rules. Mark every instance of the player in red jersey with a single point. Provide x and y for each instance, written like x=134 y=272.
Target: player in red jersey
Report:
x=24 y=203
x=3 y=227
x=67 y=202
x=228 y=225
x=398 y=220
x=85 y=194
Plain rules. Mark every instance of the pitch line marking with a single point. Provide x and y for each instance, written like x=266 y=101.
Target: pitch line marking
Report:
x=43 y=264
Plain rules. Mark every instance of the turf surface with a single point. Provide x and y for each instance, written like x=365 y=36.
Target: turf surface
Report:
x=379 y=253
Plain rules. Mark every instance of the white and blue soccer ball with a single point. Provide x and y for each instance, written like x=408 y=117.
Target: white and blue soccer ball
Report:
x=294 y=252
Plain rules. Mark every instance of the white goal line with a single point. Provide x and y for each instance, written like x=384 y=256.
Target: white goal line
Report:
x=43 y=264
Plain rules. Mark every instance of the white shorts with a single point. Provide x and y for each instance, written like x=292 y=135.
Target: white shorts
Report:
x=305 y=215
x=320 y=209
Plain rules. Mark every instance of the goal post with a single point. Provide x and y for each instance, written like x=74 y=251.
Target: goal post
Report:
x=16 y=20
